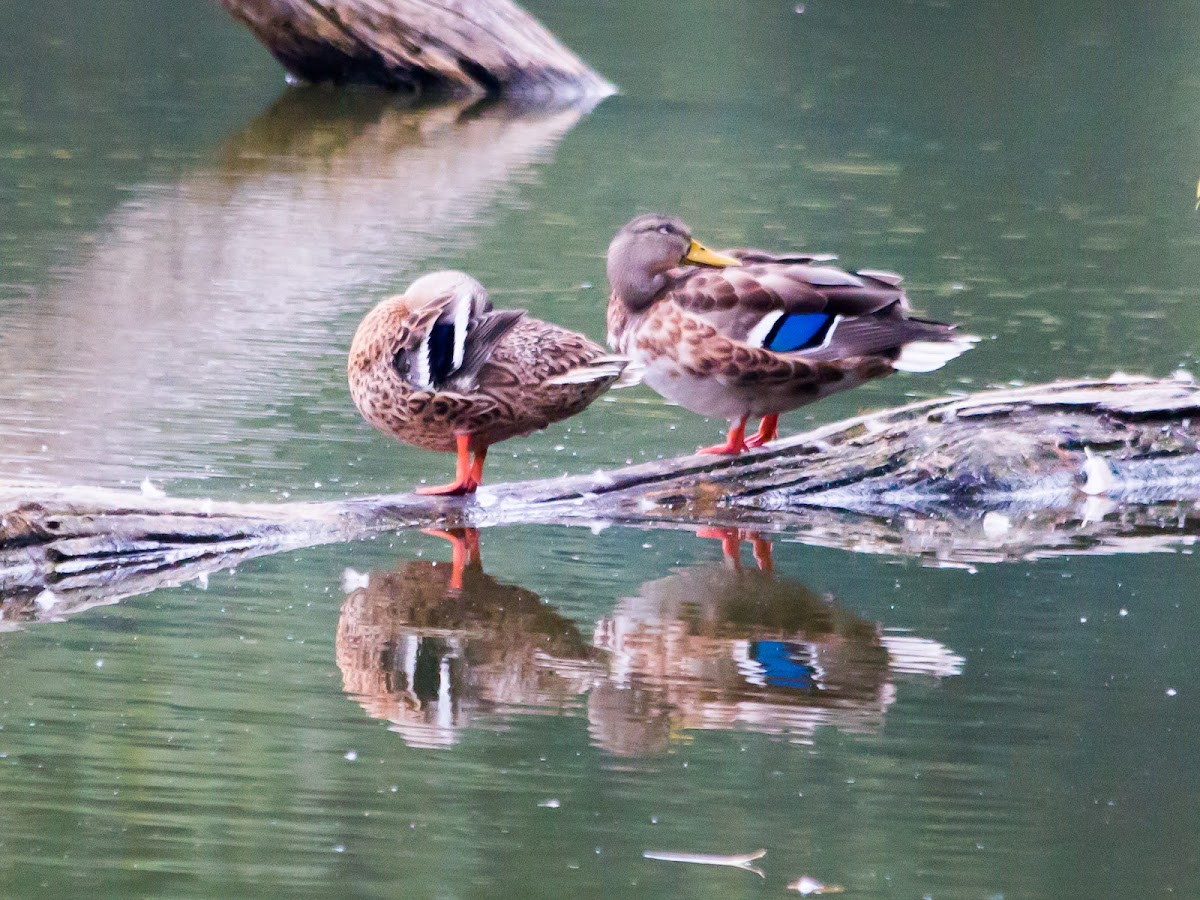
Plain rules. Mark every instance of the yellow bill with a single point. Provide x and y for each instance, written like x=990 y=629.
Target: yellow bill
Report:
x=700 y=255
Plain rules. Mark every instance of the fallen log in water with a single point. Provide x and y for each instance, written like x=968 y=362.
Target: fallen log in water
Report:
x=475 y=48
x=1071 y=467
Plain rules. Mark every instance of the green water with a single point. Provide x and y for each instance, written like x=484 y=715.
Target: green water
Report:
x=186 y=246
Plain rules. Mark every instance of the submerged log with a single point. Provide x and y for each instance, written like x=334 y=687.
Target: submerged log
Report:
x=1071 y=467
x=477 y=48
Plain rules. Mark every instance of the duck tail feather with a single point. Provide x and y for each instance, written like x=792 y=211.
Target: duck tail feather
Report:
x=602 y=368
x=482 y=337
x=927 y=356
x=631 y=375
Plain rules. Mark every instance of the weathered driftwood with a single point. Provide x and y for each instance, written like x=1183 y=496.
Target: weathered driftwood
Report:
x=450 y=47
x=1072 y=467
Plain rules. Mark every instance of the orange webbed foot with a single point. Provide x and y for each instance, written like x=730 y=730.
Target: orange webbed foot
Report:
x=734 y=444
x=454 y=489
x=468 y=473
x=726 y=449
x=768 y=430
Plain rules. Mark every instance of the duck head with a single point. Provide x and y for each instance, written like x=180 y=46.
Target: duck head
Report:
x=437 y=286
x=642 y=253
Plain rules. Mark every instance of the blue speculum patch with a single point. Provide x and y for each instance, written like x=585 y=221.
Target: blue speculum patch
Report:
x=798 y=332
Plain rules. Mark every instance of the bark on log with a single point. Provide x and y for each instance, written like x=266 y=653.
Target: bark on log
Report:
x=1072 y=467
x=447 y=47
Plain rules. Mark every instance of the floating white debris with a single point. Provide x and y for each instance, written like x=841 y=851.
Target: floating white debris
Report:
x=1171 y=692
x=149 y=489
x=810 y=887
x=351 y=755
x=549 y=804
x=352 y=580
x=735 y=861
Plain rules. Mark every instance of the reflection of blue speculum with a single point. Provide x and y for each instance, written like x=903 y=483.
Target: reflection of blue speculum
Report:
x=433 y=649
x=783 y=664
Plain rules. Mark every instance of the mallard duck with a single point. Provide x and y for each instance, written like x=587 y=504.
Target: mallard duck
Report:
x=746 y=333
x=438 y=367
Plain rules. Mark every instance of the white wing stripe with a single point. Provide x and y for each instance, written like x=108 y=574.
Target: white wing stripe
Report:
x=758 y=334
x=424 y=377
x=462 y=316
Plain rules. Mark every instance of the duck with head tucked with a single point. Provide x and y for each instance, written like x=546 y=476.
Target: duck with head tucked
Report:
x=746 y=333
x=438 y=367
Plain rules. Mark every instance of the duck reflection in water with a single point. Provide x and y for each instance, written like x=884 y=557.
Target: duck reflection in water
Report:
x=433 y=648
x=429 y=646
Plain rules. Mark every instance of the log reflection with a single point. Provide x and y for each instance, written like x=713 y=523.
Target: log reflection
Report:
x=433 y=648
x=202 y=311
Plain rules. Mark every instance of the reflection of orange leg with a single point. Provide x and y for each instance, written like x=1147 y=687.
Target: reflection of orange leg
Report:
x=734 y=444
x=464 y=543
x=762 y=551
x=768 y=430
x=471 y=539
x=463 y=482
x=731 y=544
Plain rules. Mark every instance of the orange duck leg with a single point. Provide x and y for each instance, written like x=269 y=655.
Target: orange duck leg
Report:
x=734 y=444
x=768 y=430
x=468 y=472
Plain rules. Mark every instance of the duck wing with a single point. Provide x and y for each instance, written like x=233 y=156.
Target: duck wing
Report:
x=781 y=305
x=449 y=339
x=816 y=311
x=542 y=353
x=483 y=335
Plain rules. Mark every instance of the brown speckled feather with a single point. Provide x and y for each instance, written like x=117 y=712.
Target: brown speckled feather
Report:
x=734 y=300
x=701 y=330
x=512 y=392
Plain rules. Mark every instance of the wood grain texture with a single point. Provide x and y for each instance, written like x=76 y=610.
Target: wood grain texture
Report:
x=1067 y=468
x=446 y=47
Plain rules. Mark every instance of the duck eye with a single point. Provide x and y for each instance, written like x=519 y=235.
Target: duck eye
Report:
x=663 y=229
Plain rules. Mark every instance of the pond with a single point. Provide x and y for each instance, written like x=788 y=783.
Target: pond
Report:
x=186 y=247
